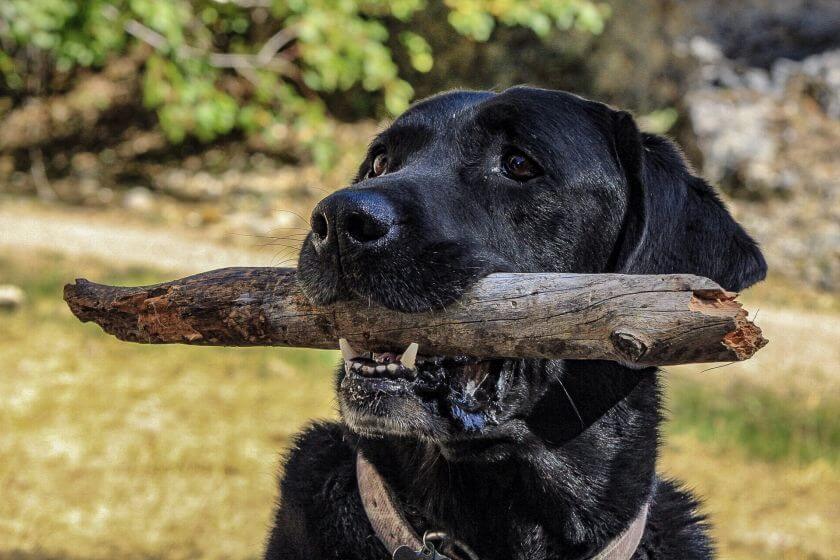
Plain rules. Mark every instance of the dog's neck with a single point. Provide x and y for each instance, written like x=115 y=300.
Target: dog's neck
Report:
x=578 y=473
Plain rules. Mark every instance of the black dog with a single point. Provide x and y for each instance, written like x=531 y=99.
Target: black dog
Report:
x=547 y=459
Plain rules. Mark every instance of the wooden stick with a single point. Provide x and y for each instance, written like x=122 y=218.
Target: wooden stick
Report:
x=634 y=319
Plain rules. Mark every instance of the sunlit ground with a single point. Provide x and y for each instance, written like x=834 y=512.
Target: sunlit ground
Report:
x=112 y=450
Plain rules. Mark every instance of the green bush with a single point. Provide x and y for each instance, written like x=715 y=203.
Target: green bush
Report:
x=283 y=56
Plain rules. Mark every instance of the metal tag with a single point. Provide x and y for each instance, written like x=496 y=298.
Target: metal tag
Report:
x=428 y=552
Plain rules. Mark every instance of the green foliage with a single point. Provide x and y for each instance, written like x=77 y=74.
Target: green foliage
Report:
x=659 y=121
x=193 y=50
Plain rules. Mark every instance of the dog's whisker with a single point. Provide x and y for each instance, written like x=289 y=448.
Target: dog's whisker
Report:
x=717 y=367
x=572 y=402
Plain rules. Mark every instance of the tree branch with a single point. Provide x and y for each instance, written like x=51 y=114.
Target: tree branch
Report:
x=266 y=57
x=634 y=319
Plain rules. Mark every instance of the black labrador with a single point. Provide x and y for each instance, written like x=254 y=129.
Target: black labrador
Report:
x=547 y=459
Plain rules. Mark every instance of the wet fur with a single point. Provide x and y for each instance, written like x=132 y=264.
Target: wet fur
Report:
x=574 y=456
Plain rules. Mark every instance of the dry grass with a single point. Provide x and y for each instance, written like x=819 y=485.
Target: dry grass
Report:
x=760 y=440
x=115 y=450
x=760 y=509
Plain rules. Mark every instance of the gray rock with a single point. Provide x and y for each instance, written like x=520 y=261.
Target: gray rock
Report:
x=769 y=138
x=139 y=199
x=11 y=297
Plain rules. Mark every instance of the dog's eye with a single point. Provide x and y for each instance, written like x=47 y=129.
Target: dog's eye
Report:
x=520 y=167
x=380 y=165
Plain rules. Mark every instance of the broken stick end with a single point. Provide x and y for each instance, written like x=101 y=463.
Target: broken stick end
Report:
x=746 y=339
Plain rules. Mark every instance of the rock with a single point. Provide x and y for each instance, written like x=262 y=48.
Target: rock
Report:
x=705 y=50
x=764 y=133
x=756 y=33
x=769 y=139
x=822 y=73
x=732 y=130
x=11 y=297
x=139 y=199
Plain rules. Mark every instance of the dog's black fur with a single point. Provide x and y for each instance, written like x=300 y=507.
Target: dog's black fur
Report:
x=564 y=455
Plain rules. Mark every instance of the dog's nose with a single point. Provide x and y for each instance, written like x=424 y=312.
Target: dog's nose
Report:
x=352 y=218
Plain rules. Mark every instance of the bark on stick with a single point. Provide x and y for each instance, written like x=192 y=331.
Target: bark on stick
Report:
x=634 y=319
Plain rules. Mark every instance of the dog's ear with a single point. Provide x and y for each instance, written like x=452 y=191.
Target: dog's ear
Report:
x=675 y=222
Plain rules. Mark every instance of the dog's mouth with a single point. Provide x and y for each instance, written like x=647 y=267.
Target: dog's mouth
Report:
x=465 y=390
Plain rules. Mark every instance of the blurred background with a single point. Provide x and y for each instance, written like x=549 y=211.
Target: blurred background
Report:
x=145 y=139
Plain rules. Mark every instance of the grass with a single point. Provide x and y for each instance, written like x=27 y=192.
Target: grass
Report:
x=117 y=450
x=757 y=421
x=783 y=292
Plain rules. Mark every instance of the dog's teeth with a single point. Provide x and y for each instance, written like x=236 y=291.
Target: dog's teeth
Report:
x=381 y=369
x=347 y=351
x=410 y=355
x=392 y=368
x=357 y=366
x=367 y=369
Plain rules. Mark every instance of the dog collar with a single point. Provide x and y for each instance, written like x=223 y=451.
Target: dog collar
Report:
x=624 y=546
x=398 y=537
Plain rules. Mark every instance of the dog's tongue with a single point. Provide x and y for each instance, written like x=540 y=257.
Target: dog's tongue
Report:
x=386 y=358
x=467 y=404
x=469 y=421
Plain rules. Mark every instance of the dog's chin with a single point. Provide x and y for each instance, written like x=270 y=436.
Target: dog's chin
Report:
x=441 y=399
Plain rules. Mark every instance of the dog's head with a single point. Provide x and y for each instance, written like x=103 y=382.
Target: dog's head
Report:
x=469 y=183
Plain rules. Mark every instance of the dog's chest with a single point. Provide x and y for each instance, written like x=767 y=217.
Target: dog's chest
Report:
x=493 y=530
